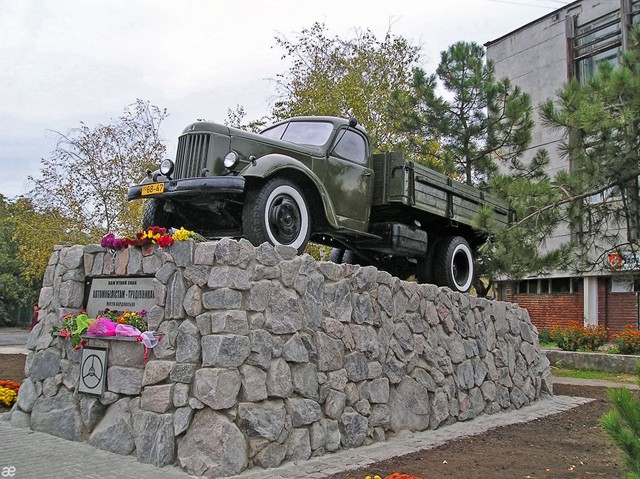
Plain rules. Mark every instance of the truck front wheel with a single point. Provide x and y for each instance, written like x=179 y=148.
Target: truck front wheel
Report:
x=453 y=264
x=277 y=213
x=155 y=215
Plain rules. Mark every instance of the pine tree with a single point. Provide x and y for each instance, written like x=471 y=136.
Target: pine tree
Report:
x=477 y=124
x=599 y=194
x=478 y=121
x=622 y=425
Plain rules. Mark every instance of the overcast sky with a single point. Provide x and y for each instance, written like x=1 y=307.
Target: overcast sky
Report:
x=67 y=61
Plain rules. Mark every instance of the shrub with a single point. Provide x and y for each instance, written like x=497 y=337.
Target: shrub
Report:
x=544 y=336
x=628 y=341
x=575 y=336
x=568 y=338
x=594 y=337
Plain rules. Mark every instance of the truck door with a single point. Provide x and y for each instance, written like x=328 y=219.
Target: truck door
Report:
x=349 y=179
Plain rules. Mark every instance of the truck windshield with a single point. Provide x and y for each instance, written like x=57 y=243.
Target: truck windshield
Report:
x=314 y=133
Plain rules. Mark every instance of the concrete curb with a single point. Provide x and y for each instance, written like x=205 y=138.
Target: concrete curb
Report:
x=594 y=383
x=610 y=363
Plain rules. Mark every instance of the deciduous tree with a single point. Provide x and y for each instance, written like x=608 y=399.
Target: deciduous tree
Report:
x=86 y=177
x=329 y=75
x=21 y=262
x=36 y=231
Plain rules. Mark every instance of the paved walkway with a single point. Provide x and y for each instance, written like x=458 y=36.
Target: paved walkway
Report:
x=29 y=454
x=13 y=341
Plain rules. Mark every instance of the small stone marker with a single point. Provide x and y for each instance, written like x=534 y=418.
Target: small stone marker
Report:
x=93 y=371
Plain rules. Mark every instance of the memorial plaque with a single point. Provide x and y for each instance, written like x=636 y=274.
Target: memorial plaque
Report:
x=120 y=294
x=93 y=371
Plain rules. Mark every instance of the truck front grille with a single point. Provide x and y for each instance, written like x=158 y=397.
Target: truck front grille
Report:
x=191 y=157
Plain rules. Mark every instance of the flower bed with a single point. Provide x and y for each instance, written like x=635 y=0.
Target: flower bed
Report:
x=8 y=393
x=628 y=341
x=575 y=336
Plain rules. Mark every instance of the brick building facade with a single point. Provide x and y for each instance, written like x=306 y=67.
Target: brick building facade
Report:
x=615 y=309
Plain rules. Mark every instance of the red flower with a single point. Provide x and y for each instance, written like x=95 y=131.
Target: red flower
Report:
x=165 y=241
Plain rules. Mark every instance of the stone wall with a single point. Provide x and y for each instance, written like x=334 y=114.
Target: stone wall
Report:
x=269 y=357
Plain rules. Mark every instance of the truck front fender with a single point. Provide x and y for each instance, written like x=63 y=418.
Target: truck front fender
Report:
x=270 y=165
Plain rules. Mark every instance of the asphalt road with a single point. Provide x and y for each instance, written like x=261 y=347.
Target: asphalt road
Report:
x=13 y=336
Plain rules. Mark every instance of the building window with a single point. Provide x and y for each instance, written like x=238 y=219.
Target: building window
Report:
x=635 y=12
x=597 y=41
x=543 y=286
x=622 y=284
x=523 y=287
x=548 y=286
x=560 y=285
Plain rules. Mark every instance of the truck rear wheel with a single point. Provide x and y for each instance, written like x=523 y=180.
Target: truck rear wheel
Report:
x=453 y=264
x=278 y=213
x=155 y=215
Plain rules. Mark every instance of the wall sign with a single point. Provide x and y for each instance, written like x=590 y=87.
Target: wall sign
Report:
x=93 y=371
x=119 y=294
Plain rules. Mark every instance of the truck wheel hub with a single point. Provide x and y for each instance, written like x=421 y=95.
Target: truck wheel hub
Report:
x=284 y=219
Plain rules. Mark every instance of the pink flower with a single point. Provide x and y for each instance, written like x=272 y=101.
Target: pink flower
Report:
x=107 y=241
x=102 y=327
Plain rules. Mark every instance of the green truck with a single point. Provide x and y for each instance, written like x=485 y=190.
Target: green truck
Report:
x=315 y=179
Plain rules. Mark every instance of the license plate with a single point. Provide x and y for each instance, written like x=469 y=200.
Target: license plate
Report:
x=152 y=189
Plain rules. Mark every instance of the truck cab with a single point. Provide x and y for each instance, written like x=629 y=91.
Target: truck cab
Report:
x=324 y=161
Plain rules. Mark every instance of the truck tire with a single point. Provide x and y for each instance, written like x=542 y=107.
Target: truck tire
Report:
x=335 y=255
x=342 y=256
x=155 y=215
x=424 y=268
x=278 y=214
x=453 y=264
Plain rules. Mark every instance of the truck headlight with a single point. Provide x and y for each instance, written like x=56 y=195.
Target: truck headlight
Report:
x=166 y=167
x=231 y=159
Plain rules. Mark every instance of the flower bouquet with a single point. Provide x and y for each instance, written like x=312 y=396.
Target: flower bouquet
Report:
x=77 y=327
x=152 y=235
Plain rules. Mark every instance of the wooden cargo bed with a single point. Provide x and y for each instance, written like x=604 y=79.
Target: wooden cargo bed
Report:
x=400 y=182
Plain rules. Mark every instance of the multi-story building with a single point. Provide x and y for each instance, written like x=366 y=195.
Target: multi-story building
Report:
x=540 y=57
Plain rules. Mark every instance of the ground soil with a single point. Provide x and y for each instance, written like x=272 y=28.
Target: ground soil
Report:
x=12 y=367
x=569 y=445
